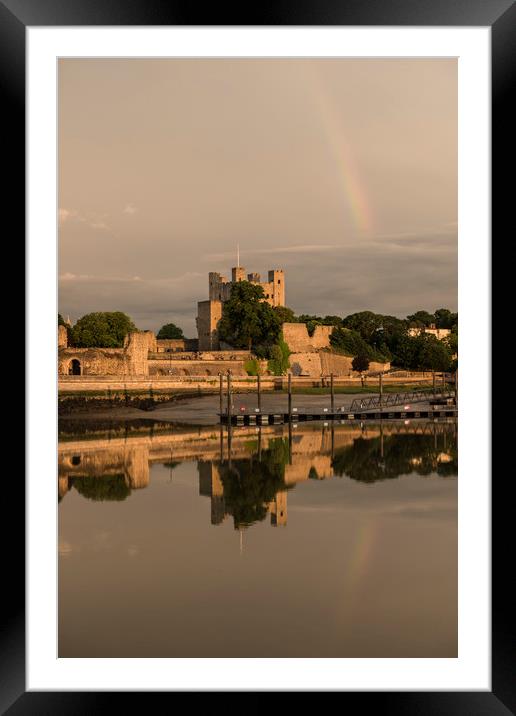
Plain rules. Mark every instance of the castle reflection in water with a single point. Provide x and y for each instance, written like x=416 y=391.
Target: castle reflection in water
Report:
x=248 y=472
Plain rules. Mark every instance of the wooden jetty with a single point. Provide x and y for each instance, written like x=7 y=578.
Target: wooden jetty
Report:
x=342 y=417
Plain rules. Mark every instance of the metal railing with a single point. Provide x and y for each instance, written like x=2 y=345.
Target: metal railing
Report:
x=390 y=399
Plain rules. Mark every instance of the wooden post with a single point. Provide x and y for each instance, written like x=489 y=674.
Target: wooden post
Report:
x=332 y=403
x=433 y=382
x=381 y=391
x=259 y=392
x=230 y=431
x=221 y=383
x=456 y=388
x=289 y=396
x=229 y=397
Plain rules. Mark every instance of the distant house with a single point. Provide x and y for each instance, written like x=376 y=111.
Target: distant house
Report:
x=439 y=333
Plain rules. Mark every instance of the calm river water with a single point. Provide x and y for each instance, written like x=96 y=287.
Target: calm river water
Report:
x=323 y=543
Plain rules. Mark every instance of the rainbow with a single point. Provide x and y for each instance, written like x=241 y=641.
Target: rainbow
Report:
x=347 y=173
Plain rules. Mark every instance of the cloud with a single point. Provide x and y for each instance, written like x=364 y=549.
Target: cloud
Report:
x=151 y=302
x=300 y=249
x=65 y=214
x=130 y=209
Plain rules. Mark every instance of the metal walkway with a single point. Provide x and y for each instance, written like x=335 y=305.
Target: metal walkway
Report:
x=392 y=399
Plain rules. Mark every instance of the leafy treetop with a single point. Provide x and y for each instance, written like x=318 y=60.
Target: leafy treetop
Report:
x=247 y=320
x=170 y=330
x=102 y=330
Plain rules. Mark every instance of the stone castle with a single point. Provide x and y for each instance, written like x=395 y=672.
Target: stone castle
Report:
x=209 y=312
x=144 y=355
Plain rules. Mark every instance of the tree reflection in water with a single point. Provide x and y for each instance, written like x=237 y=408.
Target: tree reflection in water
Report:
x=102 y=487
x=402 y=455
x=249 y=485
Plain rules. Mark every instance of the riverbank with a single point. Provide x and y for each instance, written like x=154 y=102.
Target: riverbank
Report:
x=204 y=410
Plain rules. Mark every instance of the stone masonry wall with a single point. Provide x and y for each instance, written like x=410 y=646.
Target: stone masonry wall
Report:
x=323 y=363
x=297 y=338
x=129 y=360
x=62 y=337
x=195 y=367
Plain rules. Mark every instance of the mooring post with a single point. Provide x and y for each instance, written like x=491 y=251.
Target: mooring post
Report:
x=456 y=387
x=433 y=382
x=221 y=392
x=259 y=392
x=381 y=391
x=229 y=397
x=289 y=397
x=332 y=402
x=230 y=429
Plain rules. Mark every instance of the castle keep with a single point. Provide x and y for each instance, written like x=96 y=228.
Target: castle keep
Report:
x=209 y=312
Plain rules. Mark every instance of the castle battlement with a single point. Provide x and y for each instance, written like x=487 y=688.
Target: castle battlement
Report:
x=219 y=290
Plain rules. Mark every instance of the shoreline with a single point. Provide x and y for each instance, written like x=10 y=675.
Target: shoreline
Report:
x=204 y=410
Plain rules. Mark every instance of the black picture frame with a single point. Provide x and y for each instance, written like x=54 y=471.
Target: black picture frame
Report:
x=500 y=16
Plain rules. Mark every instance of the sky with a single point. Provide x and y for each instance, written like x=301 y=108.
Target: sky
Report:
x=342 y=172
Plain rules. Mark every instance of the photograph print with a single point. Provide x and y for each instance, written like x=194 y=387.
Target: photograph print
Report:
x=257 y=358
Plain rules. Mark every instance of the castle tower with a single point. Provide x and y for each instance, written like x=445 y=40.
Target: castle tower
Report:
x=210 y=484
x=237 y=274
x=279 y=510
x=209 y=314
x=277 y=280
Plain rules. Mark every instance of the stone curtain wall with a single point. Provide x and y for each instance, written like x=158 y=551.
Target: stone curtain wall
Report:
x=195 y=367
x=323 y=363
x=129 y=360
x=137 y=350
x=62 y=337
x=94 y=361
x=309 y=355
x=297 y=338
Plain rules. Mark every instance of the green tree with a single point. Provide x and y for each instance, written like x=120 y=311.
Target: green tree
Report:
x=360 y=363
x=365 y=323
x=170 y=330
x=431 y=353
x=284 y=314
x=247 y=320
x=351 y=343
x=444 y=318
x=279 y=357
x=332 y=321
x=404 y=349
x=60 y=320
x=102 y=330
x=421 y=319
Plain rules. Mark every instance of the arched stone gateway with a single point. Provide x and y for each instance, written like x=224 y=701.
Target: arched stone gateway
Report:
x=75 y=367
